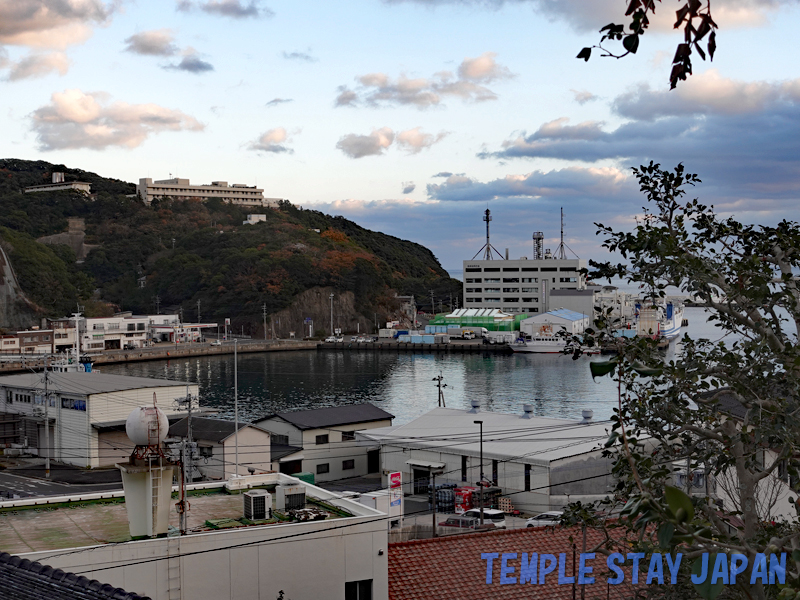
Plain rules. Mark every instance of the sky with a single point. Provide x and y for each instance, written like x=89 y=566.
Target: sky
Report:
x=410 y=117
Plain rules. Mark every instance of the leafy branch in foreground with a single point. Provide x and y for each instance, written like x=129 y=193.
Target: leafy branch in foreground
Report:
x=695 y=19
x=706 y=446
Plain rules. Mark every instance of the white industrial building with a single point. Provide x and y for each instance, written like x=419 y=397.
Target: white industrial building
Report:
x=86 y=412
x=180 y=189
x=536 y=461
x=58 y=184
x=556 y=321
x=323 y=441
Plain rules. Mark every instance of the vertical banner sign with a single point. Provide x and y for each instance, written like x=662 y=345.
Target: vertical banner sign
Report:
x=395 y=480
x=396 y=490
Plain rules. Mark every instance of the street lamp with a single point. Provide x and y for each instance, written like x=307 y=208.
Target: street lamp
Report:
x=331 y=313
x=480 y=483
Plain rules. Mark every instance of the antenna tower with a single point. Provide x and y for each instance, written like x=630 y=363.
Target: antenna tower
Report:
x=487 y=248
x=561 y=253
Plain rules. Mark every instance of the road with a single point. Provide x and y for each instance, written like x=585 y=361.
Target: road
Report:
x=27 y=487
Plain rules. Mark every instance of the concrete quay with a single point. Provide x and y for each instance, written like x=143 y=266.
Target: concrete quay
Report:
x=392 y=346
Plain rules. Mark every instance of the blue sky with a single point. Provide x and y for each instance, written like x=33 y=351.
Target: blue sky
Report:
x=409 y=116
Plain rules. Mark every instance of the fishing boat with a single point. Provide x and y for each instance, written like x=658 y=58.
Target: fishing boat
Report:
x=662 y=320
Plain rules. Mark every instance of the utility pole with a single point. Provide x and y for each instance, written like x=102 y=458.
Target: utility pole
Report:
x=46 y=425
x=198 y=311
x=433 y=305
x=480 y=483
x=264 y=312
x=181 y=314
x=441 y=391
x=331 y=313
x=187 y=466
x=236 y=401
x=157 y=302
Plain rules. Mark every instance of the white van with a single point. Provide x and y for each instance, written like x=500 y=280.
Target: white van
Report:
x=490 y=515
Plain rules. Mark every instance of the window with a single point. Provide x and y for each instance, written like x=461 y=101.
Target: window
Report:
x=568 y=279
x=530 y=268
x=206 y=451
x=358 y=590
x=527 y=478
x=473 y=290
x=510 y=279
x=530 y=280
x=473 y=270
x=492 y=300
x=492 y=270
x=510 y=299
x=474 y=280
x=348 y=465
x=530 y=290
x=510 y=290
x=140 y=326
x=463 y=468
x=322 y=439
x=348 y=436
x=280 y=439
x=323 y=468
x=473 y=299
x=530 y=300
x=490 y=290
x=505 y=269
x=491 y=280
x=131 y=326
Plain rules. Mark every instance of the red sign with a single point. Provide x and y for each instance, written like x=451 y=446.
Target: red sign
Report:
x=395 y=480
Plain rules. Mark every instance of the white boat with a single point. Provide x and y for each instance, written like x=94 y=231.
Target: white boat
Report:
x=662 y=320
x=541 y=344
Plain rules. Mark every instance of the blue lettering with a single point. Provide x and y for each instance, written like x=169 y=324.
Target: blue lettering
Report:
x=777 y=568
x=489 y=557
x=738 y=565
x=703 y=571
x=635 y=570
x=583 y=570
x=673 y=567
x=720 y=569
x=611 y=563
x=527 y=571
x=546 y=569
x=759 y=569
x=656 y=570
x=562 y=567
x=506 y=570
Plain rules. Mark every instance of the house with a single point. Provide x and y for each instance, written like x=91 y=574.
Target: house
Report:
x=555 y=321
x=539 y=462
x=323 y=441
x=216 y=446
x=26 y=580
x=455 y=566
x=86 y=412
x=35 y=341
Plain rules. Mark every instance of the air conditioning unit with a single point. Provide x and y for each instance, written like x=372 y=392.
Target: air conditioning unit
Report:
x=257 y=505
x=290 y=497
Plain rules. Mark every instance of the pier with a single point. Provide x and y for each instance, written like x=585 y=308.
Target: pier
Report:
x=392 y=346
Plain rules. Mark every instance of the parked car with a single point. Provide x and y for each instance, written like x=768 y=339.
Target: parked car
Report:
x=216 y=343
x=490 y=515
x=461 y=521
x=546 y=519
x=331 y=339
x=354 y=338
x=339 y=339
x=129 y=347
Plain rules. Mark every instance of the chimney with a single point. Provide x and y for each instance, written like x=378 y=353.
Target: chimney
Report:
x=476 y=406
x=527 y=411
x=587 y=415
x=506 y=253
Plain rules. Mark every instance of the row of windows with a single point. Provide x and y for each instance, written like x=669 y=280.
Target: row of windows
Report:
x=73 y=404
x=524 y=300
x=516 y=270
x=347 y=436
x=505 y=280
x=347 y=465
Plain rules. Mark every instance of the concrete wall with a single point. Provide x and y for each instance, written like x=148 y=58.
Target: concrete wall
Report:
x=586 y=474
x=337 y=451
x=115 y=406
x=254 y=451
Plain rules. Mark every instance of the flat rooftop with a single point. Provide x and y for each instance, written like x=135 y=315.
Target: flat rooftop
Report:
x=90 y=524
x=87 y=383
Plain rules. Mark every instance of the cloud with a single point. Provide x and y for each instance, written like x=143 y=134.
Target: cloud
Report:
x=156 y=42
x=567 y=182
x=706 y=93
x=300 y=56
x=277 y=101
x=74 y=119
x=408 y=187
x=414 y=140
x=359 y=146
x=272 y=141
x=37 y=65
x=234 y=9
x=582 y=97
x=443 y=174
x=378 y=89
x=191 y=63
x=54 y=24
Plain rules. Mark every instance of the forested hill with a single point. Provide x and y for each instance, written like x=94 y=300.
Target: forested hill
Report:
x=177 y=253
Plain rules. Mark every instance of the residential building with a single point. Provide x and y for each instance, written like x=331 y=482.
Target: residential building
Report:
x=26 y=580
x=30 y=341
x=454 y=566
x=222 y=556
x=216 y=446
x=181 y=189
x=323 y=441
x=86 y=412
x=520 y=286
x=253 y=219
x=58 y=184
x=536 y=461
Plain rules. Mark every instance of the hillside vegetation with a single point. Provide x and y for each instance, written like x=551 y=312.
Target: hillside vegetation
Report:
x=183 y=252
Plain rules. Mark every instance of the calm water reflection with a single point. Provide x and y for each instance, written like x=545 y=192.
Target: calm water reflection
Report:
x=402 y=384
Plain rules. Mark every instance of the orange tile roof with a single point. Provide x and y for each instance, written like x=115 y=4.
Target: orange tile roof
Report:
x=451 y=567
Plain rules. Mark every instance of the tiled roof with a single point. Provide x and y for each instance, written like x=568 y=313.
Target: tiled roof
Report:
x=451 y=567
x=331 y=417
x=25 y=580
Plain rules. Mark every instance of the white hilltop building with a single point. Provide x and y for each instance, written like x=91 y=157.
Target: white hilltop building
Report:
x=181 y=189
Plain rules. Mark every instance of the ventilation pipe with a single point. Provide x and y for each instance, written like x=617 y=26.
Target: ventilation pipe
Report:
x=587 y=415
x=527 y=411
x=476 y=406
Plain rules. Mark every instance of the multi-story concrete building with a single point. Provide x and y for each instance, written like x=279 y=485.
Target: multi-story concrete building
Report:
x=32 y=341
x=522 y=285
x=59 y=185
x=181 y=189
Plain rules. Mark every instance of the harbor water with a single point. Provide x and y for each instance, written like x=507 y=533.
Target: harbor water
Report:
x=402 y=384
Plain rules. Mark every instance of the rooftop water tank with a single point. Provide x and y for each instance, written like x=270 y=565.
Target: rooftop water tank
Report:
x=147 y=426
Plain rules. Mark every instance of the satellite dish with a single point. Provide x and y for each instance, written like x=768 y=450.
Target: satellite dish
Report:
x=147 y=426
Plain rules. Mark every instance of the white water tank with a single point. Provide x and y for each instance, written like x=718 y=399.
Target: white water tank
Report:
x=147 y=426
